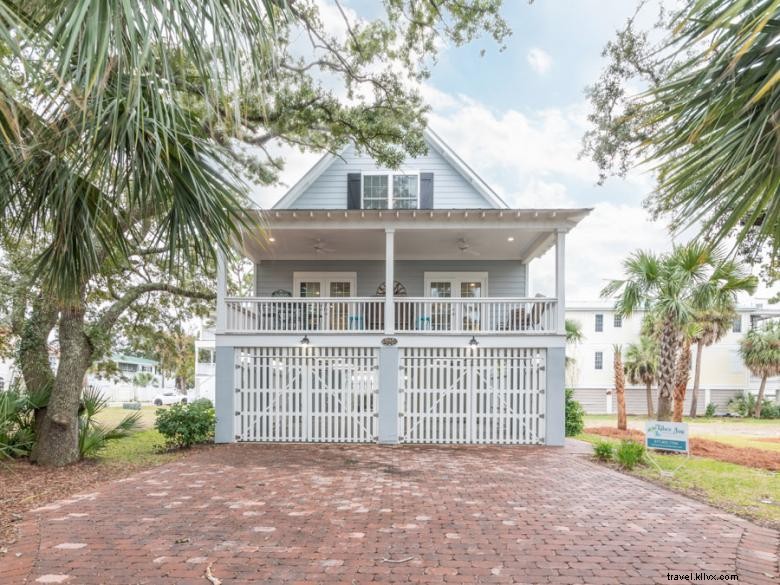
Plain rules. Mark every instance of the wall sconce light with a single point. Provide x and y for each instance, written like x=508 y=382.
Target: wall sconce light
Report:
x=473 y=343
x=305 y=340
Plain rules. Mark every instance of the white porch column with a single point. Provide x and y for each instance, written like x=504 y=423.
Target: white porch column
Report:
x=560 y=280
x=389 y=280
x=221 y=291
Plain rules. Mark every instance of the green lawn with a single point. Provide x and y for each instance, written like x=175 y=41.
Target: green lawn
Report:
x=113 y=414
x=749 y=492
x=141 y=449
x=596 y=419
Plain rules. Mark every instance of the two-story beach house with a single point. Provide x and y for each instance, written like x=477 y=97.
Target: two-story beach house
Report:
x=392 y=306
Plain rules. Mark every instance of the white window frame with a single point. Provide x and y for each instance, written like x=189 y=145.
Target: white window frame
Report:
x=390 y=200
x=596 y=354
x=456 y=279
x=596 y=323
x=324 y=278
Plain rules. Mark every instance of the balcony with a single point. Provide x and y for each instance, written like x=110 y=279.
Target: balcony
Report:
x=421 y=315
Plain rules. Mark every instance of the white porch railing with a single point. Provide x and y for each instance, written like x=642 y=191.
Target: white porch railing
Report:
x=485 y=315
x=412 y=315
x=301 y=315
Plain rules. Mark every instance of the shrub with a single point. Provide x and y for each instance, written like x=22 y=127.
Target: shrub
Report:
x=604 y=450
x=630 y=454
x=709 y=412
x=184 y=425
x=17 y=415
x=94 y=436
x=744 y=404
x=575 y=415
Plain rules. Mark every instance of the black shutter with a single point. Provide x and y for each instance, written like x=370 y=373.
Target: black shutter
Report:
x=426 y=190
x=353 y=190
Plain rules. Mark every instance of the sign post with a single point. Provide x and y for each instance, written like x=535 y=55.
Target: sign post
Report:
x=667 y=436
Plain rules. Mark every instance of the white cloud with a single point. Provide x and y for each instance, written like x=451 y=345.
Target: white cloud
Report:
x=539 y=60
x=596 y=248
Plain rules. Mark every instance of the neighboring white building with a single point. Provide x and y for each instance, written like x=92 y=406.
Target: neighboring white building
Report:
x=7 y=373
x=722 y=373
x=204 y=365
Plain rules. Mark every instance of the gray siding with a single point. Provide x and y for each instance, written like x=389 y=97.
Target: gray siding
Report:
x=505 y=278
x=450 y=189
x=594 y=400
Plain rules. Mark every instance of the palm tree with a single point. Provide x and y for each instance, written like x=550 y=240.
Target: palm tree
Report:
x=713 y=325
x=683 y=368
x=574 y=336
x=672 y=287
x=641 y=365
x=573 y=331
x=760 y=350
x=118 y=127
x=620 y=385
x=713 y=123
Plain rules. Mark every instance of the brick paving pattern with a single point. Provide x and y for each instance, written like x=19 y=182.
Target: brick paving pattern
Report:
x=329 y=514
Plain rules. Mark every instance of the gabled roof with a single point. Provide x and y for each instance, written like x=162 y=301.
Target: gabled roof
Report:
x=433 y=140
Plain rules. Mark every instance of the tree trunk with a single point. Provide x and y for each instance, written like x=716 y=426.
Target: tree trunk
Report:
x=620 y=388
x=681 y=376
x=696 y=379
x=760 y=398
x=57 y=443
x=666 y=363
x=34 y=355
x=649 y=391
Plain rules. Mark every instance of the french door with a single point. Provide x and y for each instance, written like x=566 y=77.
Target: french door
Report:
x=318 y=285
x=460 y=285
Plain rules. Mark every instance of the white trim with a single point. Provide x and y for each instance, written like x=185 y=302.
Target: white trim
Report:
x=525 y=340
x=432 y=139
x=456 y=278
x=390 y=193
x=324 y=278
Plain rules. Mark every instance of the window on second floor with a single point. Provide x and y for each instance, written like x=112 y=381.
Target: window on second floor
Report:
x=598 y=361
x=391 y=191
x=736 y=327
x=599 y=322
x=618 y=321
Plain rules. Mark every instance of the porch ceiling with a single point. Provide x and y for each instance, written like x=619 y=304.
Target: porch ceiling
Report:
x=504 y=234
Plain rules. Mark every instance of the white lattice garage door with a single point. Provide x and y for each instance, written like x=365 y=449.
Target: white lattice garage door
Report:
x=464 y=395
x=306 y=394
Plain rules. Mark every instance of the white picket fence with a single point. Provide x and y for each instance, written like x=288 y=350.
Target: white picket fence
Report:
x=321 y=394
x=463 y=395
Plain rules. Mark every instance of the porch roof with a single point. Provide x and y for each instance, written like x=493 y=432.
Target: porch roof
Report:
x=421 y=234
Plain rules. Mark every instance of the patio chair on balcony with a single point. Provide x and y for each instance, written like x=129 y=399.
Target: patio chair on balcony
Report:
x=524 y=319
x=376 y=322
x=279 y=315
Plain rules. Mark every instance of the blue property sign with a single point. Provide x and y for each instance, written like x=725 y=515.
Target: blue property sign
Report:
x=667 y=436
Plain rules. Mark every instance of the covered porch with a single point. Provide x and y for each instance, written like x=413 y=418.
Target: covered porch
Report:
x=453 y=272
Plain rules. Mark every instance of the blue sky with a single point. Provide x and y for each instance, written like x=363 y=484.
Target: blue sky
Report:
x=517 y=117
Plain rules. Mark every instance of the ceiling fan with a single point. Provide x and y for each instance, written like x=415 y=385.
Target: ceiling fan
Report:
x=320 y=247
x=465 y=247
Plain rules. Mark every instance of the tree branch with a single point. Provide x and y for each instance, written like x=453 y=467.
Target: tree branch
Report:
x=109 y=317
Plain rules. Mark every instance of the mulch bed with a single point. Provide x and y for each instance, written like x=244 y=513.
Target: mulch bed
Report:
x=24 y=486
x=748 y=456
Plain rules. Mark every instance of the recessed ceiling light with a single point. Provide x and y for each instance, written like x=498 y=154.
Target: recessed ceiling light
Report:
x=510 y=239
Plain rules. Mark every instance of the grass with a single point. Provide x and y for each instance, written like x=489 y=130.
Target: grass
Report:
x=748 y=492
x=600 y=418
x=141 y=449
x=113 y=414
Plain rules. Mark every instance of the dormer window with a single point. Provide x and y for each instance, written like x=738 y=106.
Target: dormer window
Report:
x=391 y=191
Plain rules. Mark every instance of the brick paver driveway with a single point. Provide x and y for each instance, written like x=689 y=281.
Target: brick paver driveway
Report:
x=368 y=514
